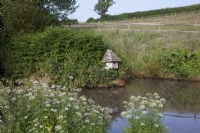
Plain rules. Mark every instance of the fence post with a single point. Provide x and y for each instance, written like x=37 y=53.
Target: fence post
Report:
x=99 y=25
x=129 y=27
x=159 y=26
x=196 y=25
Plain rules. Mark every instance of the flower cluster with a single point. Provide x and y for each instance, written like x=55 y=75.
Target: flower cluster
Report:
x=42 y=109
x=144 y=111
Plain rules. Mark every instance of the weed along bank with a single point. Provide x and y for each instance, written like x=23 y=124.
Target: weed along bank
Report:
x=111 y=60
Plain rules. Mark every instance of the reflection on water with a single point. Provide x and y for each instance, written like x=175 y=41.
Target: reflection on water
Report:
x=182 y=109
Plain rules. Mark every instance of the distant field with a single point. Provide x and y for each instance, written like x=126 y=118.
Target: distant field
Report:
x=172 y=22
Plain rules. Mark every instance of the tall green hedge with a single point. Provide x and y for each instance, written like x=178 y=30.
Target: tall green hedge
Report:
x=68 y=57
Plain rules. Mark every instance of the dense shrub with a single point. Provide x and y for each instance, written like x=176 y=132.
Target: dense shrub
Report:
x=60 y=54
x=90 y=20
x=181 y=63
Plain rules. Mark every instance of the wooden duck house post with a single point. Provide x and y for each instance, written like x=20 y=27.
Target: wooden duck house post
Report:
x=111 y=60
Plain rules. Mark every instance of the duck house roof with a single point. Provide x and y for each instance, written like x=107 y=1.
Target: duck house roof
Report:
x=110 y=56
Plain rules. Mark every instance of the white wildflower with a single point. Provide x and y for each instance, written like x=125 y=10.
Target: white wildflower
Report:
x=48 y=105
x=144 y=112
x=32 y=97
x=13 y=99
x=79 y=114
x=142 y=124
x=53 y=86
x=123 y=113
x=153 y=105
x=162 y=100
x=87 y=121
x=160 y=114
x=82 y=98
x=156 y=125
x=142 y=107
x=137 y=117
x=78 y=90
x=54 y=110
x=52 y=95
x=58 y=127
x=76 y=107
x=71 y=99
x=8 y=91
x=35 y=82
x=90 y=101
x=61 y=117
x=160 y=105
x=66 y=108
x=19 y=91
x=132 y=98
x=144 y=98
x=125 y=102
x=128 y=116
x=92 y=123
x=62 y=94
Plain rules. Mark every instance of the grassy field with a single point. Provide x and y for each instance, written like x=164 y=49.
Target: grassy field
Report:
x=142 y=51
x=172 y=22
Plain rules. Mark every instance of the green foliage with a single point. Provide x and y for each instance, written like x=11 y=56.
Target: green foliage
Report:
x=181 y=63
x=35 y=107
x=143 y=114
x=154 y=12
x=24 y=16
x=102 y=7
x=62 y=55
x=90 y=20
x=60 y=8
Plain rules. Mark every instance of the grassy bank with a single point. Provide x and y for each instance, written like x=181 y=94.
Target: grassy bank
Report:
x=173 y=55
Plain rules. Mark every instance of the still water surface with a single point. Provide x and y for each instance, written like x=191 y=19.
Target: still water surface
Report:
x=181 y=112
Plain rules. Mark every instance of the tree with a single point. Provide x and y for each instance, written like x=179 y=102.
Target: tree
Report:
x=25 y=16
x=102 y=7
x=60 y=8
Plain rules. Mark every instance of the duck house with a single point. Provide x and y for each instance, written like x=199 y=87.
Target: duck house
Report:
x=111 y=60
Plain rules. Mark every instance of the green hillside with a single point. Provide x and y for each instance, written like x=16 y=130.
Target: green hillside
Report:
x=144 y=14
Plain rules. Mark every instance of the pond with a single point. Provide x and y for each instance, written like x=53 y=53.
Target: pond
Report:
x=181 y=112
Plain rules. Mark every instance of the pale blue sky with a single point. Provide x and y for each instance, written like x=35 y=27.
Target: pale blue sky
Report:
x=86 y=7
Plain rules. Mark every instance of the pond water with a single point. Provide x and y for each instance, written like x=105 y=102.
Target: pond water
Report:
x=181 y=112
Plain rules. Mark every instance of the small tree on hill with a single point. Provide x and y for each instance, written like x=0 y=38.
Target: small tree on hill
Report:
x=102 y=7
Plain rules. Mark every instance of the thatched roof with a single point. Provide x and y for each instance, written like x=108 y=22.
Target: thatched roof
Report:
x=110 y=56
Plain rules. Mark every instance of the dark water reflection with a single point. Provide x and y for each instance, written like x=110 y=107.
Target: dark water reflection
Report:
x=181 y=112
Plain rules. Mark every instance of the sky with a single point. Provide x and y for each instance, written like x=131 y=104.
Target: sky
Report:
x=86 y=7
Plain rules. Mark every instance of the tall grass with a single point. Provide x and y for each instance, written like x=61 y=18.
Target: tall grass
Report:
x=143 y=51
